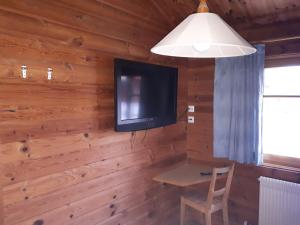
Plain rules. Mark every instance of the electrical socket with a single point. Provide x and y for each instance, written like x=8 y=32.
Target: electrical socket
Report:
x=191 y=108
x=191 y=119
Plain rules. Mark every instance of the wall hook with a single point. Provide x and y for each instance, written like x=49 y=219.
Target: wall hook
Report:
x=50 y=70
x=24 y=71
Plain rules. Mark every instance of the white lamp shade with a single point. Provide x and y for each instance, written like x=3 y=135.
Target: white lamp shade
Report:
x=203 y=35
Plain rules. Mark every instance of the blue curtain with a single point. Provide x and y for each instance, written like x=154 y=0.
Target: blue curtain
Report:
x=238 y=91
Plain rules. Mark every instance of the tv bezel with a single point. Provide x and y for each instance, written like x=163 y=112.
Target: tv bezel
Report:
x=147 y=123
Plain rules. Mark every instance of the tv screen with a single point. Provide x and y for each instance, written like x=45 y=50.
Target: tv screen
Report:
x=145 y=95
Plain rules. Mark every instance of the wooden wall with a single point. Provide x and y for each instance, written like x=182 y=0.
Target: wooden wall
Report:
x=60 y=160
x=245 y=187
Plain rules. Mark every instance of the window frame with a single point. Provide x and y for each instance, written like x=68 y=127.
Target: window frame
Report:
x=283 y=162
x=278 y=161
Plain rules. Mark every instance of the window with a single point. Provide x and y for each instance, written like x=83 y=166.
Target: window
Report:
x=281 y=113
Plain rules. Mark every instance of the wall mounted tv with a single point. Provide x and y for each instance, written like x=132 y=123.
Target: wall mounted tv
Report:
x=145 y=95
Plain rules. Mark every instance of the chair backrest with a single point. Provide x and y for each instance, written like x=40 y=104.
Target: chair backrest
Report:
x=223 y=192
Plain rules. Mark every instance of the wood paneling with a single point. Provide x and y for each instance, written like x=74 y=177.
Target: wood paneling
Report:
x=249 y=13
x=61 y=161
x=253 y=13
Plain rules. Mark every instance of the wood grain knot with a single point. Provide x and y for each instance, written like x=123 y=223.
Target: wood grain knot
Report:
x=78 y=41
x=24 y=149
x=69 y=66
x=88 y=59
x=113 y=213
x=151 y=214
x=80 y=17
x=38 y=222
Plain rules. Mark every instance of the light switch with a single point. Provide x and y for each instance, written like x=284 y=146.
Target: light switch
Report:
x=191 y=108
x=191 y=119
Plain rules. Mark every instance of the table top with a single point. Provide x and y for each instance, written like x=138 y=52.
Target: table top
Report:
x=185 y=175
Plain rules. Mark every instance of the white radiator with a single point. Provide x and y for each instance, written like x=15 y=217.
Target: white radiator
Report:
x=279 y=202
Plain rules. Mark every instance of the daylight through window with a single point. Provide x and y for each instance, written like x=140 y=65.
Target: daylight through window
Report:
x=281 y=111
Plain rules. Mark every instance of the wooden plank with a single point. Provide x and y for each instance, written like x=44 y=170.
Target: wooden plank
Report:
x=53 y=200
x=272 y=32
x=143 y=11
x=144 y=207
x=103 y=166
x=164 y=12
x=286 y=162
x=148 y=213
x=248 y=13
x=101 y=205
x=69 y=36
x=67 y=52
x=15 y=44
x=40 y=186
x=72 y=18
x=65 y=156
x=116 y=14
x=38 y=129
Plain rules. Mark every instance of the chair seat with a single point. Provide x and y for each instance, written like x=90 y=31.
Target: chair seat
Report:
x=198 y=201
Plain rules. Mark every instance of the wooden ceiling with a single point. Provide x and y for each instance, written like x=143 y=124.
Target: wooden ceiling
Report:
x=255 y=12
x=239 y=13
x=243 y=15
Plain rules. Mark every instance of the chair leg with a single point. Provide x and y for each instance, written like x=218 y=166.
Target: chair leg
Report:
x=225 y=215
x=207 y=218
x=182 y=211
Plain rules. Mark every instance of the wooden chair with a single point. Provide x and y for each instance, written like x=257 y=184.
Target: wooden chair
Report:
x=216 y=199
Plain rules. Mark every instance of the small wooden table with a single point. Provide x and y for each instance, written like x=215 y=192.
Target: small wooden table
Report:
x=185 y=175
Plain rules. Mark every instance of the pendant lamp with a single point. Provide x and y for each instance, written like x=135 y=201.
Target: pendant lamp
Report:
x=203 y=35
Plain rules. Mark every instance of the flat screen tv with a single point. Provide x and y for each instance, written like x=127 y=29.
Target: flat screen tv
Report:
x=145 y=95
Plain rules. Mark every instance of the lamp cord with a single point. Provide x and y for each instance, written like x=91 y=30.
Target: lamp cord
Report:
x=182 y=114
